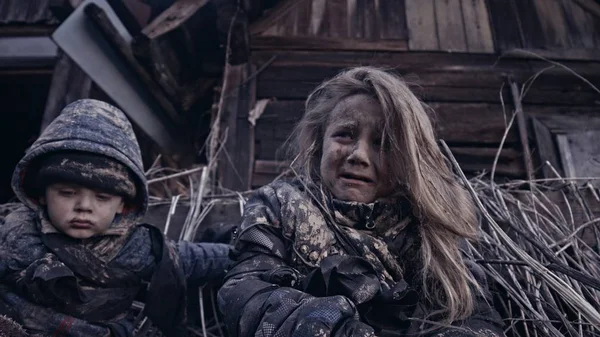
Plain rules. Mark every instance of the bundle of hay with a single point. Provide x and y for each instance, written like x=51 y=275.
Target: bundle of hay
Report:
x=540 y=247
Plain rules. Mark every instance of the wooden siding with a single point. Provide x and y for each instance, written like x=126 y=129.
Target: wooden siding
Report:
x=547 y=25
x=26 y=12
x=571 y=27
x=463 y=92
x=334 y=24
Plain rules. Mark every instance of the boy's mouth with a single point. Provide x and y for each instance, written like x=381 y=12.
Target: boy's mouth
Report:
x=81 y=224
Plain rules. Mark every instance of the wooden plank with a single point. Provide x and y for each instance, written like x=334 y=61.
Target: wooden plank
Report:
x=471 y=159
x=123 y=48
x=477 y=26
x=522 y=127
x=408 y=61
x=563 y=119
x=355 y=19
x=69 y=83
x=454 y=122
x=420 y=21
x=554 y=26
x=460 y=92
x=126 y=16
x=27 y=51
x=590 y=6
x=480 y=159
x=371 y=18
x=580 y=25
x=322 y=43
x=173 y=17
x=392 y=20
x=303 y=14
x=529 y=24
x=319 y=13
x=337 y=12
x=450 y=25
x=505 y=24
x=81 y=40
x=234 y=161
x=546 y=149
x=580 y=152
x=275 y=15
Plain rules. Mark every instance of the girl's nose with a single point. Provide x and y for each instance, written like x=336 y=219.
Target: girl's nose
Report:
x=360 y=154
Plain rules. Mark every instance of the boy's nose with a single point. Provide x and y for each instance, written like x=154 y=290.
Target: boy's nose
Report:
x=84 y=203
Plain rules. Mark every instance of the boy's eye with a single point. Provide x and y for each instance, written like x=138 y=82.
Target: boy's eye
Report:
x=103 y=197
x=66 y=193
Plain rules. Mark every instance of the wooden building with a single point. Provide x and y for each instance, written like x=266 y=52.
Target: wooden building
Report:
x=473 y=62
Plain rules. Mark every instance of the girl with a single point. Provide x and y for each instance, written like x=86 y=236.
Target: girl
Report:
x=366 y=239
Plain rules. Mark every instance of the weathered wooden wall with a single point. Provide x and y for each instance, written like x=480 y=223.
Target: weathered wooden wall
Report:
x=299 y=44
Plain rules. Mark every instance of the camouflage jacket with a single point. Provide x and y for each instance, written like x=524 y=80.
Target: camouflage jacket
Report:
x=309 y=265
x=54 y=285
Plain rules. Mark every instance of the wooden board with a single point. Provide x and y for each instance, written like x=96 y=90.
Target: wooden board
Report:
x=580 y=25
x=69 y=83
x=420 y=21
x=554 y=25
x=454 y=122
x=562 y=119
x=529 y=24
x=477 y=26
x=338 y=18
x=450 y=25
x=505 y=24
x=234 y=161
x=472 y=160
x=318 y=25
x=580 y=153
x=407 y=61
x=356 y=22
x=391 y=16
x=324 y=43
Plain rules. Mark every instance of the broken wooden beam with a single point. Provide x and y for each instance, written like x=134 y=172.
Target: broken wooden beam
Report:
x=99 y=17
x=522 y=126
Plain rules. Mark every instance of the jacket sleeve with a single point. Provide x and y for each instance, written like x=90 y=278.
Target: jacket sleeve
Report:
x=204 y=262
x=258 y=298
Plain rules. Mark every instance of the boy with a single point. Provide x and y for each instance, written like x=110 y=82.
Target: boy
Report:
x=73 y=258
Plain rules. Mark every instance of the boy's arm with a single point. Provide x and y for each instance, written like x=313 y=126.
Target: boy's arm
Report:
x=258 y=298
x=204 y=262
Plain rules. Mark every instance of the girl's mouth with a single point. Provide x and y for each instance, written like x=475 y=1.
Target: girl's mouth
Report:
x=356 y=178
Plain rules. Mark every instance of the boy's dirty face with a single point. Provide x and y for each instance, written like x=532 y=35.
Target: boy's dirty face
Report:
x=352 y=166
x=80 y=212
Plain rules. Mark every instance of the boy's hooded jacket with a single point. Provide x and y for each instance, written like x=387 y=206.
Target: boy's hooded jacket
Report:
x=56 y=285
x=310 y=265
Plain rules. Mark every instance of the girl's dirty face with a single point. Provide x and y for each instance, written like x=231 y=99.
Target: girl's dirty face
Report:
x=352 y=164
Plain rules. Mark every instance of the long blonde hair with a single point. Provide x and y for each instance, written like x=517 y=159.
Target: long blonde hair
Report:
x=445 y=212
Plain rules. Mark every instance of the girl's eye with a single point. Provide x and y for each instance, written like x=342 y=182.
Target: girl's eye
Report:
x=343 y=135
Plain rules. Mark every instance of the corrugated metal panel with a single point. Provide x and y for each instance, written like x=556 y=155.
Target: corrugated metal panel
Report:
x=26 y=12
